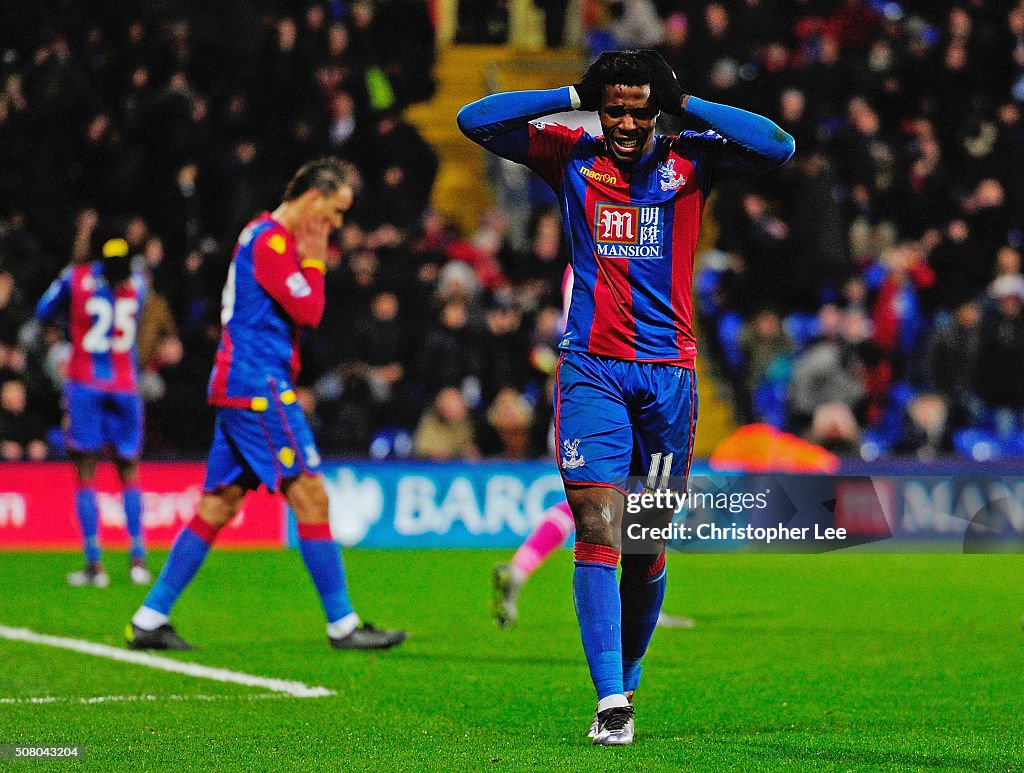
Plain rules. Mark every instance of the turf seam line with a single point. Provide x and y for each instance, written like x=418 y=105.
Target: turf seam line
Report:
x=295 y=689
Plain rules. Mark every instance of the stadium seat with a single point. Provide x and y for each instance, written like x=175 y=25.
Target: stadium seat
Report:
x=1014 y=445
x=599 y=41
x=55 y=440
x=890 y=427
x=391 y=443
x=769 y=403
x=874 y=444
x=705 y=284
x=801 y=328
x=900 y=395
x=982 y=445
x=729 y=328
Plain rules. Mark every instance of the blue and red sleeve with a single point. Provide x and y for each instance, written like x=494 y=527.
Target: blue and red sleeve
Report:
x=298 y=290
x=56 y=298
x=748 y=143
x=501 y=123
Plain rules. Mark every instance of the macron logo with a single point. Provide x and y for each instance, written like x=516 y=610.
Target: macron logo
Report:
x=601 y=177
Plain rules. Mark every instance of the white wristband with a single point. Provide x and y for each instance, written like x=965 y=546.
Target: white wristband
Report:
x=574 y=98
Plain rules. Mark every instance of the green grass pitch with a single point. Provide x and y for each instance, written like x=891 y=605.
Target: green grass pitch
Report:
x=808 y=662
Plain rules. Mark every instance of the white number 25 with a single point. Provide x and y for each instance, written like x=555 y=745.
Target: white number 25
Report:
x=119 y=316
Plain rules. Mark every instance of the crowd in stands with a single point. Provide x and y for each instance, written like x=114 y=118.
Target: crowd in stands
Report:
x=867 y=296
x=174 y=124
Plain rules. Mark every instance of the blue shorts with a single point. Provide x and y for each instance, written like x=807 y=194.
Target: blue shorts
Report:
x=253 y=447
x=97 y=419
x=616 y=419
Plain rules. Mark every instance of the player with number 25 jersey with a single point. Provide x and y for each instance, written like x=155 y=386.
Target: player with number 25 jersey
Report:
x=101 y=301
x=101 y=389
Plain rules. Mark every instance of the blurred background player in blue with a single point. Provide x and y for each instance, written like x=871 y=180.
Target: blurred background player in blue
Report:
x=625 y=392
x=274 y=290
x=100 y=301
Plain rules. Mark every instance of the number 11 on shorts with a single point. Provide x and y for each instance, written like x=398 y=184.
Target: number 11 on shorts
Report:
x=653 y=483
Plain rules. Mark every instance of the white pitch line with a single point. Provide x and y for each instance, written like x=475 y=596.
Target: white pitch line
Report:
x=295 y=689
x=138 y=698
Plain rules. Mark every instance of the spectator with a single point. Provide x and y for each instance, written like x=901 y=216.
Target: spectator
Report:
x=635 y=24
x=554 y=21
x=834 y=428
x=793 y=117
x=759 y=242
x=12 y=311
x=898 y=319
x=926 y=428
x=828 y=372
x=408 y=55
x=482 y=21
x=959 y=265
x=985 y=210
x=1008 y=262
x=398 y=151
x=445 y=432
x=22 y=432
x=1000 y=374
x=343 y=125
x=715 y=39
x=509 y=421
x=763 y=343
x=179 y=218
x=505 y=349
x=908 y=127
x=677 y=48
x=548 y=326
x=22 y=253
x=951 y=362
x=285 y=80
x=381 y=361
x=540 y=270
x=450 y=354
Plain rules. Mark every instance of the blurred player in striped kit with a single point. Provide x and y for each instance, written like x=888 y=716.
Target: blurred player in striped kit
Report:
x=625 y=394
x=101 y=300
x=274 y=289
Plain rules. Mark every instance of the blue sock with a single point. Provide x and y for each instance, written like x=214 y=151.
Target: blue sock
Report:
x=89 y=520
x=132 y=497
x=323 y=560
x=598 y=611
x=187 y=554
x=641 y=595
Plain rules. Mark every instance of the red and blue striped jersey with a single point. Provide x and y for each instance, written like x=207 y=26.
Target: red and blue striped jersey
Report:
x=267 y=299
x=632 y=232
x=102 y=322
x=632 y=238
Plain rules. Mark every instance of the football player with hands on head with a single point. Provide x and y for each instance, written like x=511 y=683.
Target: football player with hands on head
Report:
x=274 y=289
x=625 y=392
